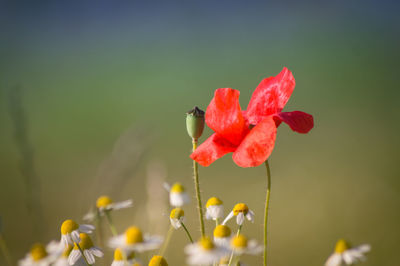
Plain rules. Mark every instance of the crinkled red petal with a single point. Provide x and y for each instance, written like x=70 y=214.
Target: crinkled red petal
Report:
x=258 y=144
x=212 y=149
x=270 y=96
x=224 y=115
x=298 y=121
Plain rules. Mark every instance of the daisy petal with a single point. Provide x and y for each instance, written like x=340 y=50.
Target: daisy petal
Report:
x=258 y=144
x=89 y=256
x=224 y=115
x=86 y=228
x=230 y=215
x=298 y=121
x=334 y=260
x=270 y=96
x=210 y=150
x=97 y=252
x=74 y=256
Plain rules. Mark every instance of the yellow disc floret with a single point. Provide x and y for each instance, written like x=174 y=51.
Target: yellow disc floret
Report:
x=118 y=254
x=213 y=201
x=85 y=243
x=133 y=235
x=239 y=241
x=240 y=207
x=67 y=250
x=177 y=188
x=38 y=252
x=341 y=246
x=103 y=202
x=221 y=231
x=158 y=260
x=206 y=243
x=68 y=226
x=177 y=213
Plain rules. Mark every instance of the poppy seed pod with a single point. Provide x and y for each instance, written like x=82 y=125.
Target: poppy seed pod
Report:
x=195 y=122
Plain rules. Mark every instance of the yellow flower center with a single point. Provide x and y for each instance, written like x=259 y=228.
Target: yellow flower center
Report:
x=133 y=235
x=158 y=261
x=177 y=188
x=222 y=231
x=38 y=252
x=67 y=250
x=68 y=226
x=119 y=255
x=177 y=213
x=85 y=243
x=213 y=201
x=239 y=241
x=103 y=201
x=206 y=243
x=341 y=246
x=240 y=207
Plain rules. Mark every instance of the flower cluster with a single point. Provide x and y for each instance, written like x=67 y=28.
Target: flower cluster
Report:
x=250 y=135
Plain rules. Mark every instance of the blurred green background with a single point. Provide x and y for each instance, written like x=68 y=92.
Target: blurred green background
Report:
x=93 y=96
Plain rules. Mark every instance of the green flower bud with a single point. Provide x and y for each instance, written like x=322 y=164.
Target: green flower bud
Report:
x=195 y=122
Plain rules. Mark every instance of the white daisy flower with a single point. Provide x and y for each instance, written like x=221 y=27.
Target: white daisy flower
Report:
x=40 y=255
x=120 y=256
x=62 y=260
x=70 y=231
x=240 y=211
x=204 y=252
x=177 y=217
x=105 y=203
x=222 y=235
x=241 y=245
x=344 y=254
x=133 y=240
x=225 y=262
x=177 y=195
x=158 y=260
x=214 y=208
x=89 y=251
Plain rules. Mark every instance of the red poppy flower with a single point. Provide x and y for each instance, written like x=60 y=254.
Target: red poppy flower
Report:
x=250 y=134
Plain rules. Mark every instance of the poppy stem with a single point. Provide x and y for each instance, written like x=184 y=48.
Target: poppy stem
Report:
x=197 y=187
x=266 y=210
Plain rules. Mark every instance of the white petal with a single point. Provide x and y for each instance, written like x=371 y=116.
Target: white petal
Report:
x=86 y=228
x=122 y=205
x=117 y=241
x=74 y=256
x=230 y=215
x=250 y=216
x=348 y=258
x=240 y=218
x=118 y=263
x=90 y=216
x=89 y=256
x=97 y=252
x=364 y=248
x=75 y=236
x=167 y=186
x=334 y=260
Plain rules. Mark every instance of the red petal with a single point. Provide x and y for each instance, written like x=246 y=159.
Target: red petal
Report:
x=258 y=144
x=212 y=149
x=270 y=96
x=224 y=116
x=298 y=121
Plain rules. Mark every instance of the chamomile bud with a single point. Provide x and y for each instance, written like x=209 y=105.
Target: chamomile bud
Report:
x=214 y=208
x=346 y=254
x=241 y=211
x=70 y=231
x=134 y=240
x=158 y=260
x=89 y=251
x=222 y=235
x=176 y=217
x=177 y=194
x=195 y=122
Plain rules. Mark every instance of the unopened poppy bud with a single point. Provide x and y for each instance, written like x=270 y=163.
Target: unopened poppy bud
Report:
x=195 y=122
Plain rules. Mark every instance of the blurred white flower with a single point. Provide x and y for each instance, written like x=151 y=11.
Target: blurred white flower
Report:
x=241 y=245
x=120 y=257
x=133 y=240
x=222 y=235
x=347 y=255
x=204 y=252
x=177 y=195
x=214 y=208
x=105 y=203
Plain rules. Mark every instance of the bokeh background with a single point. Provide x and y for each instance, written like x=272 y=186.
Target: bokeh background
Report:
x=93 y=96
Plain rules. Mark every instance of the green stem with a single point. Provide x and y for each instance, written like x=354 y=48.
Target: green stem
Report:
x=83 y=255
x=197 y=188
x=110 y=223
x=216 y=222
x=167 y=239
x=231 y=257
x=266 y=210
x=187 y=232
x=5 y=250
x=239 y=229
x=99 y=231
